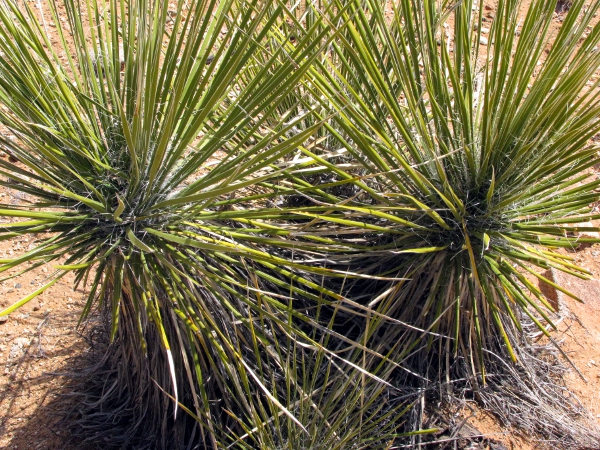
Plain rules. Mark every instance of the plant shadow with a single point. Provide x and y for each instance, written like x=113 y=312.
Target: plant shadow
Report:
x=35 y=388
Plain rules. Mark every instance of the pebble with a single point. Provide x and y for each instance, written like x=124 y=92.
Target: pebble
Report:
x=18 y=348
x=585 y=233
x=483 y=40
x=21 y=341
x=3 y=319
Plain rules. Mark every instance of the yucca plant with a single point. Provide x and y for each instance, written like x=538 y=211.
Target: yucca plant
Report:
x=471 y=168
x=376 y=192
x=143 y=163
x=340 y=404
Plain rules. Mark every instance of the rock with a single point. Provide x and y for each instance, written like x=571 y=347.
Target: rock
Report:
x=3 y=319
x=19 y=348
x=21 y=342
x=485 y=30
x=586 y=233
x=483 y=40
x=582 y=233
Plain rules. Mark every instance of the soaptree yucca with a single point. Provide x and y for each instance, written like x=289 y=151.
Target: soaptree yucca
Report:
x=469 y=154
x=143 y=166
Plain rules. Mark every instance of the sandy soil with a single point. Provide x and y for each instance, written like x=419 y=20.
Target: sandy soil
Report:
x=40 y=341
x=579 y=336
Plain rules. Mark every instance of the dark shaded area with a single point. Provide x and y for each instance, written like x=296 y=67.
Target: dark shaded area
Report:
x=562 y=6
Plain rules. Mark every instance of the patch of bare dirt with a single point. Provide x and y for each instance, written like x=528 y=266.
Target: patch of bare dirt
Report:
x=36 y=343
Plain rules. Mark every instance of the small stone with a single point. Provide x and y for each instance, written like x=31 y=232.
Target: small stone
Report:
x=21 y=342
x=483 y=40
x=587 y=234
x=485 y=30
x=18 y=348
x=3 y=319
x=18 y=286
